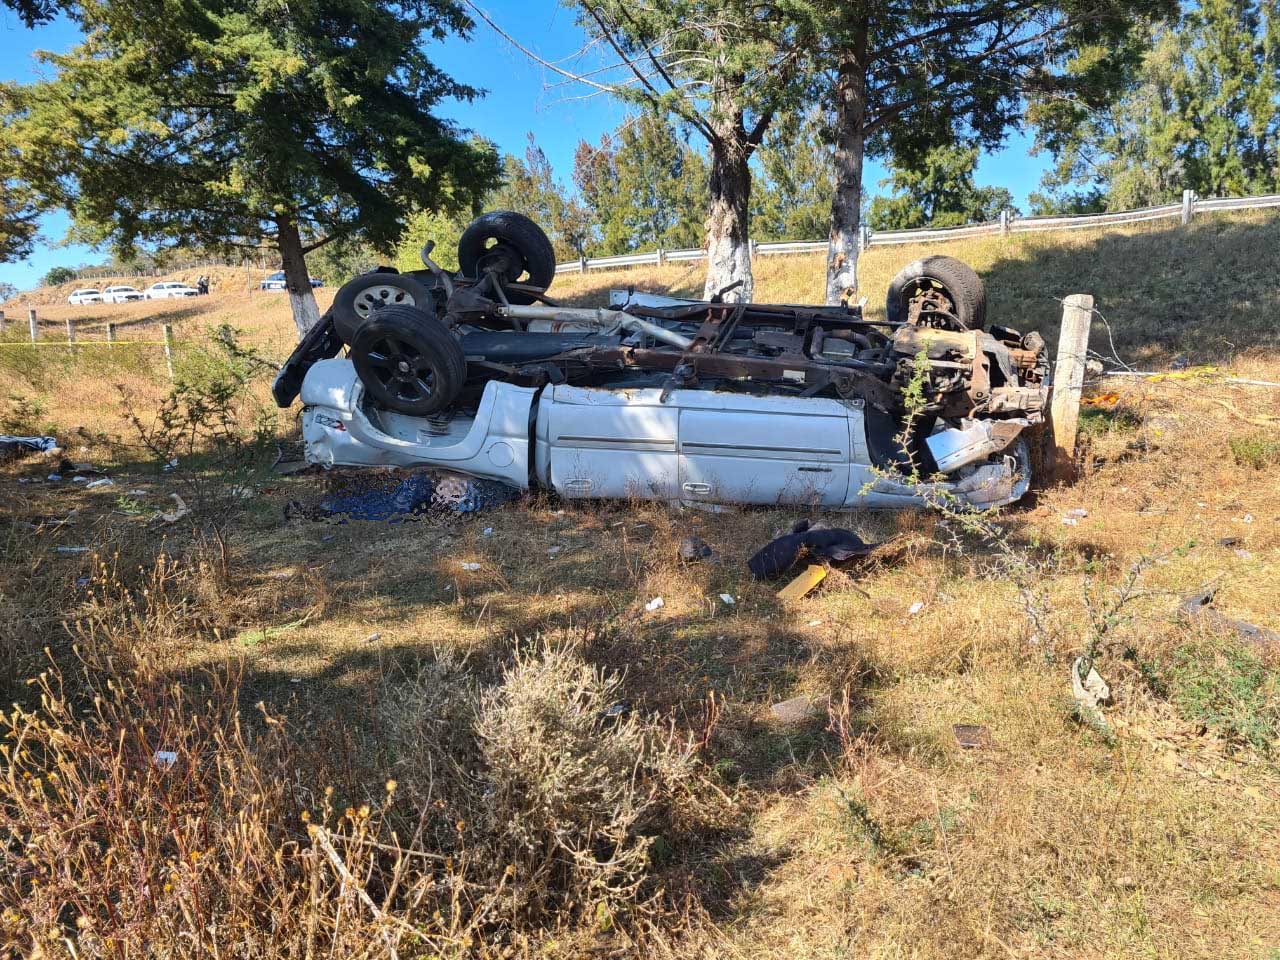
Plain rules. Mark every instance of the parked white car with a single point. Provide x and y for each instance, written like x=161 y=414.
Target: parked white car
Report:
x=169 y=289
x=87 y=295
x=121 y=294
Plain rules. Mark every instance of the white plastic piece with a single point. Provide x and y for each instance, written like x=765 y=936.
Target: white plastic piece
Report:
x=656 y=603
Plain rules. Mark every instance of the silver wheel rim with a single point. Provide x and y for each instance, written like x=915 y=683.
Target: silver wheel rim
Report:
x=383 y=295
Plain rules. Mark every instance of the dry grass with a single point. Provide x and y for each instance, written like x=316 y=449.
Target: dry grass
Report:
x=876 y=835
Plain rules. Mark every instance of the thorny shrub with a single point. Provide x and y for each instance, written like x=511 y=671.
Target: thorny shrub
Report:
x=210 y=407
x=141 y=816
x=549 y=787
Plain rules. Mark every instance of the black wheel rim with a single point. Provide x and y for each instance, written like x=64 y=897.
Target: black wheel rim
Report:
x=403 y=370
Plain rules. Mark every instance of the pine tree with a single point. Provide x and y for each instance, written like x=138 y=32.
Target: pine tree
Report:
x=1202 y=112
x=529 y=186
x=916 y=75
x=645 y=186
x=940 y=193
x=224 y=124
x=794 y=196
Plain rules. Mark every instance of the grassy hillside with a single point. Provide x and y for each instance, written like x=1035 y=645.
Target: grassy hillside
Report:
x=402 y=701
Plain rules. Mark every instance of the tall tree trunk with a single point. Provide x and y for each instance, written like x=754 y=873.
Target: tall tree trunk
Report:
x=297 y=280
x=850 y=145
x=728 y=218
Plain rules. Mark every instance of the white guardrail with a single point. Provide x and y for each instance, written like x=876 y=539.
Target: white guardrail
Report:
x=1186 y=210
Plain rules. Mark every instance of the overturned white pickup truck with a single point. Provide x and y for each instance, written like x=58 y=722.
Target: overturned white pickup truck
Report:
x=659 y=398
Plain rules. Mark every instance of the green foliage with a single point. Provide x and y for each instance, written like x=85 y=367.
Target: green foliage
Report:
x=33 y=12
x=793 y=202
x=1229 y=690
x=530 y=187
x=7 y=291
x=17 y=209
x=210 y=409
x=225 y=124
x=57 y=275
x=1200 y=111
x=445 y=229
x=644 y=186
x=1258 y=450
x=940 y=193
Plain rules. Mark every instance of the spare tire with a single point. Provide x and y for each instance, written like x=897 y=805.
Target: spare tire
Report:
x=948 y=292
x=358 y=299
x=408 y=360
x=512 y=247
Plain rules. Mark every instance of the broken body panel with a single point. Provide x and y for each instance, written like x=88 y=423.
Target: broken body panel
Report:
x=683 y=446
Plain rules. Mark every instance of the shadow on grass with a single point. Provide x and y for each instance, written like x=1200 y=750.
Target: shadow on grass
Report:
x=1197 y=292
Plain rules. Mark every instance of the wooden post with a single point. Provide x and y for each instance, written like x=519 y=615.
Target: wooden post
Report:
x=2 y=323
x=33 y=324
x=71 y=330
x=864 y=237
x=1004 y=221
x=582 y=264
x=1188 y=205
x=168 y=349
x=1068 y=382
x=111 y=333
x=751 y=249
x=662 y=257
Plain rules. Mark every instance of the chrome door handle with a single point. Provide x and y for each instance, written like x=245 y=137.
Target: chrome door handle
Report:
x=697 y=488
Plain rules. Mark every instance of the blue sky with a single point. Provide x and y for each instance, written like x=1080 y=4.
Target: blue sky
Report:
x=522 y=98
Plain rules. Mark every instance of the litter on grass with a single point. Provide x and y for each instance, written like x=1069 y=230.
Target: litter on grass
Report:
x=395 y=496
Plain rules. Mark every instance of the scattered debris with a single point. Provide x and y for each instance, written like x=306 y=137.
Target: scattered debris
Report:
x=179 y=511
x=694 y=549
x=54 y=476
x=243 y=493
x=136 y=493
x=813 y=575
x=915 y=608
x=552 y=551
x=727 y=599
x=373 y=638
x=781 y=554
x=1087 y=685
x=487 y=532
x=290 y=468
x=1230 y=541
x=469 y=567
x=399 y=495
x=68 y=551
x=100 y=482
x=971 y=736
x=165 y=759
x=799 y=709
x=657 y=603
x=1199 y=608
x=21 y=446
x=1078 y=512
x=171 y=466
x=814 y=623
x=79 y=479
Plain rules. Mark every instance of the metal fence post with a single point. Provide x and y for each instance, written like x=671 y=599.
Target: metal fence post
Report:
x=168 y=349
x=582 y=264
x=1004 y=220
x=662 y=257
x=71 y=330
x=751 y=249
x=864 y=237
x=1188 y=205
x=33 y=324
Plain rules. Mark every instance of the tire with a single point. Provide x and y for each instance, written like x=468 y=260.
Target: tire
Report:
x=511 y=245
x=358 y=299
x=961 y=289
x=408 y=360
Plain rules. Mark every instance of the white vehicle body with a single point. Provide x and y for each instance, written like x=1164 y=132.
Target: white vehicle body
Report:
x=81 y=297
x=169 y=289
x=121 y=294
x=700 y=447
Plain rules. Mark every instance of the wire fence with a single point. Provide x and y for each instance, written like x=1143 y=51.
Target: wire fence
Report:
x=1007 y=224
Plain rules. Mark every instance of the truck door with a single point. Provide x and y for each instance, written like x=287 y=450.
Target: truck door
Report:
x=762 y=450
x=607 y=443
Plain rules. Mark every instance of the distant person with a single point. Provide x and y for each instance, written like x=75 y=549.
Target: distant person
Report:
x=202 y=286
